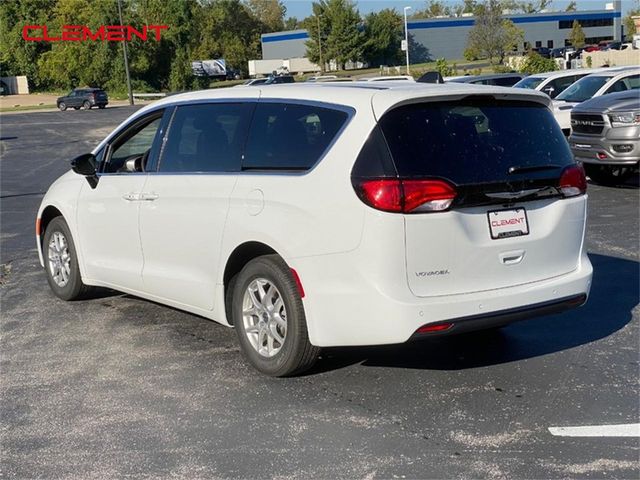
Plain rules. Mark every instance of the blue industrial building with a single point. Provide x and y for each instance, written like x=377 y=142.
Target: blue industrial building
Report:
x=447 y=37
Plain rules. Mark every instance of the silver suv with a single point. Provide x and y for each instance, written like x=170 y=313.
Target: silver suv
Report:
x=605 y=136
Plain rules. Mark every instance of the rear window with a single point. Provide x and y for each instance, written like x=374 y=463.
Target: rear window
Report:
x=475 y=141
x=290 y=136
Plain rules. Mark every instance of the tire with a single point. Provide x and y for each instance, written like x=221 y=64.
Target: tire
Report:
x=62 y=106
x=57 y=243
x=608 y=175
x=86 y=105
x=274 y=339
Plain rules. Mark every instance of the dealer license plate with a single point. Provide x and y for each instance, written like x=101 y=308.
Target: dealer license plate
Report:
x=508 y=223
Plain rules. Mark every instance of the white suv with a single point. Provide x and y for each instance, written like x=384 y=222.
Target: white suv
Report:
x=328 y=214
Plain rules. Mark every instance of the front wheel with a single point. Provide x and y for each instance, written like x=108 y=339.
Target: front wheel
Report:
x=61 y=261
x=268 y=316
x=608 y=175
x=62 y=106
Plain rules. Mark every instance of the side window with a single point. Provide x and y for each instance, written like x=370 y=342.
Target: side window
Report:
x=206 y=138
x=619 y=86
x=633 y=82
x=560 y=84
x=130 y=151
x=506 y=81
x=290 y=136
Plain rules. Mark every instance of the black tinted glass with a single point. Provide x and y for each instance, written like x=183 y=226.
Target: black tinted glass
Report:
x=506 y=81
x=290 y=137
x=471 y=142
x=206 y=138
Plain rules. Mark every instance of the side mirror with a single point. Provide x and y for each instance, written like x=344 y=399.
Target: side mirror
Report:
x=85 y=165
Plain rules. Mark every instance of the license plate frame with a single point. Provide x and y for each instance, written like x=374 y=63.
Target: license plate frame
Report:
x=502 y=231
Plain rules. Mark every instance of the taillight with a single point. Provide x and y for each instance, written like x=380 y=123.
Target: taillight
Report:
x=406 y=196
x=573 y=181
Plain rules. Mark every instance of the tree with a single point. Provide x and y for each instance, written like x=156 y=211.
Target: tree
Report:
x=467 y=6
x=269 y=12
x=434 y=8
x=536 y=63
x=535 y=7
x=629 y=25
x=342 y=39
x=18 y=57
x=291 y=23
x=383 y=33
x=227 y=29
x=492 y=37
x=577 y=37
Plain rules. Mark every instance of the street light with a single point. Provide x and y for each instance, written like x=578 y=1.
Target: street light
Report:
x=320 y=44
x=126 y=59
x=406 y=37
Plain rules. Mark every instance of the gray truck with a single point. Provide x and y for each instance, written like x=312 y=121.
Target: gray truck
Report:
x=605 y=136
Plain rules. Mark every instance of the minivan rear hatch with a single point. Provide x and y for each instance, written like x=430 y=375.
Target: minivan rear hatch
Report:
x=509 y=223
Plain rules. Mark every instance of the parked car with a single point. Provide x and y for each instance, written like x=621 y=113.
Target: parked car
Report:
x=542 y=51
x=558 y=52
x=318 y=78
x=85 y=98
x=253 y=82
x=498 y=79
x=554 y=83
x=591 y=48
x=610 y=80
x=330 y=215
x=388 y=78
x=276 y=79
x=605 y=136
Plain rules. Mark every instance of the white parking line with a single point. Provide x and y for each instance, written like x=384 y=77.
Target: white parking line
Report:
x=623 y=430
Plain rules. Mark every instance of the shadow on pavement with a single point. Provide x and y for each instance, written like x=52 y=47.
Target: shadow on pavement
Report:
x=614 y=294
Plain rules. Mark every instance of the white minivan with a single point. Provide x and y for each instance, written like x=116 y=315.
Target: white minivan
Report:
x=328 y=214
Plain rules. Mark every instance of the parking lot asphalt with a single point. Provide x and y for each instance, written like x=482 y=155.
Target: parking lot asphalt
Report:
x=116 y=386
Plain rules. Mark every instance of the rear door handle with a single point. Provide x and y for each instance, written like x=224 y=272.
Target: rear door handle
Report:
x=149 y=197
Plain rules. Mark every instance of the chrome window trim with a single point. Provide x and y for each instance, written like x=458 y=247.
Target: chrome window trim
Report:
x=350 y=111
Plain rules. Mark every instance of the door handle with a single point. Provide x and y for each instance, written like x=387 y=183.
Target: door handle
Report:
x=149 y=197
x=131 y=197
x=512 y=258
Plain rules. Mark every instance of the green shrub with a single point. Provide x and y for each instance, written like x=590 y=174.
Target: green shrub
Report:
x=535 y=63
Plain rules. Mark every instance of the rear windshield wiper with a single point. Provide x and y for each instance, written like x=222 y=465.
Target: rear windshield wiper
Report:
x=532 y=168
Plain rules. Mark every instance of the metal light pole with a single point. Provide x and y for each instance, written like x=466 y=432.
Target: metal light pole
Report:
x=406 y=37
x=126 y=57
x=320 y=44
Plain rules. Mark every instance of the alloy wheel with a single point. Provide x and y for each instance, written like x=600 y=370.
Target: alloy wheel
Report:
x=59 y=259
x=264 y=317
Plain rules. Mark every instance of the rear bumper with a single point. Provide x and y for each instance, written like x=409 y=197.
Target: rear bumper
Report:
x=345 y=308
x=505 y=317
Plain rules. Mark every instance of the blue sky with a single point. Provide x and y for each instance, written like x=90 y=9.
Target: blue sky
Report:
x=302 y=8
